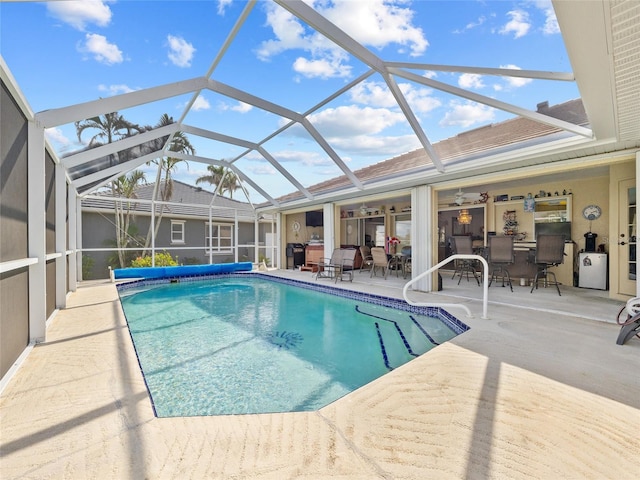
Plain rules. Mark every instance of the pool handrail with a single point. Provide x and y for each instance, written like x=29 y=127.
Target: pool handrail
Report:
x=457 y=256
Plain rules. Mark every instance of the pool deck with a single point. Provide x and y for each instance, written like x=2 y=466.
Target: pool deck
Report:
x=537 y=390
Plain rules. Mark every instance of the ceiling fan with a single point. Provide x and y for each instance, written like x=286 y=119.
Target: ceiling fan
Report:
x=459 y=200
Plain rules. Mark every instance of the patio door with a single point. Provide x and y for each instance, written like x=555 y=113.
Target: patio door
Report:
x=627 y=238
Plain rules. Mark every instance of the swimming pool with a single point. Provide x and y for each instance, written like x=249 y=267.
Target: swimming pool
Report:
x=249 y=343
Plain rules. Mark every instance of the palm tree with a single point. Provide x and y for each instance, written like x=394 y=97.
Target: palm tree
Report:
x=163 y=190
x=109 y=128
x=223 y=178
x=125 y=188
x=214 y=177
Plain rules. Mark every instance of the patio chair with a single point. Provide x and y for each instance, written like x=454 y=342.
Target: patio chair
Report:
x=549 y=253
x=406 y=261
x=367 y=259
x=462 y=244
x=380 y=261
x=339 y=266
x=501 y=255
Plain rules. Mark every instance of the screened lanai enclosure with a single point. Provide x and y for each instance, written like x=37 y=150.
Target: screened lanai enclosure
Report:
x=305 y=106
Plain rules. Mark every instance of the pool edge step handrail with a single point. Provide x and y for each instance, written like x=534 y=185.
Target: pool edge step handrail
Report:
x=457 y=256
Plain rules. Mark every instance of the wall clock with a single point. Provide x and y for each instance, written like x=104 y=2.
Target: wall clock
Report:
x=591 y=212
x=295 y=226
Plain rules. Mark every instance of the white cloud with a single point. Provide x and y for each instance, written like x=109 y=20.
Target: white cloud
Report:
x=115 y=89
x=377 y=94
x=55 y=135
x=242 y=107
x=471 y=80
x=377 y=23
x=518 y=25
x=323 y=68
x=551 y=26
x=80 y=13
x=289 y=33
x=262 y=169
x=377 y=145
x=472 y=25
x=180 y=51
x=467 y=114
x=515 y=82
x=352 y=120
x=222 y=6
x=307 y=159
x=101 y=50
x=201 y=103
x=420 y=99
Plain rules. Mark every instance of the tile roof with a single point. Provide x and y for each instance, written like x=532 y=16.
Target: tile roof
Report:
x=187 y=199
x=484 y=140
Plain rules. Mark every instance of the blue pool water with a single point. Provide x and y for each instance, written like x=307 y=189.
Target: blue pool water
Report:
x=246 y=344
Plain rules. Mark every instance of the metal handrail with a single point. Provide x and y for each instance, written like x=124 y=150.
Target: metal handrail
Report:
x=457 y=256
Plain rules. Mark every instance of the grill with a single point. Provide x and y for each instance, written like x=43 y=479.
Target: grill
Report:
x=296 y=252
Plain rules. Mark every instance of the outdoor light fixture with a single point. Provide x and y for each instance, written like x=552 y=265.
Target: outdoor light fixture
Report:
x=464 y=217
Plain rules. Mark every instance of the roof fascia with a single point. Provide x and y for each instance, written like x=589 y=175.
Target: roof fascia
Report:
x=128 y=142
x=82 y=111
x=507 y=107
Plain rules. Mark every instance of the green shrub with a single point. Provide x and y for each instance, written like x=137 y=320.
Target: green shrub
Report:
x=87 y=267
x=163 y=259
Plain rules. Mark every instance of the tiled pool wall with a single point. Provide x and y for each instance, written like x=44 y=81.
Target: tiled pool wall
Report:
x=451 y=321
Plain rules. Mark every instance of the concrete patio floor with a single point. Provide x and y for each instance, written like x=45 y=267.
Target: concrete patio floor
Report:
x=537 y=390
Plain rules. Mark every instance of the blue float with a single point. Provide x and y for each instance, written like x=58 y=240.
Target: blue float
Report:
x=181 y=271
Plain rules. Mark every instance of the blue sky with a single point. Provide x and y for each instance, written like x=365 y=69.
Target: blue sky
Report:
x=63 y=53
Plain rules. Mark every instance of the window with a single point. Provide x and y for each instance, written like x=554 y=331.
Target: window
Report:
x=177 y=231
x=403 y=229
x=221 y=239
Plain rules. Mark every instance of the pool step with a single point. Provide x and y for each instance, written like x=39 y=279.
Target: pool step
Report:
x=390 y=332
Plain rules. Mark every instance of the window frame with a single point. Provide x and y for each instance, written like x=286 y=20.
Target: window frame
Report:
x=175 y=241
x=220 y=240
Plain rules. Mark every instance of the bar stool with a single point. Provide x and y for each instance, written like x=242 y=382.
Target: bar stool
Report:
x=501 y=255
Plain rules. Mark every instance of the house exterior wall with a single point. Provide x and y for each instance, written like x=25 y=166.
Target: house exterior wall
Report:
x=98 y=231
x=14 y=285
